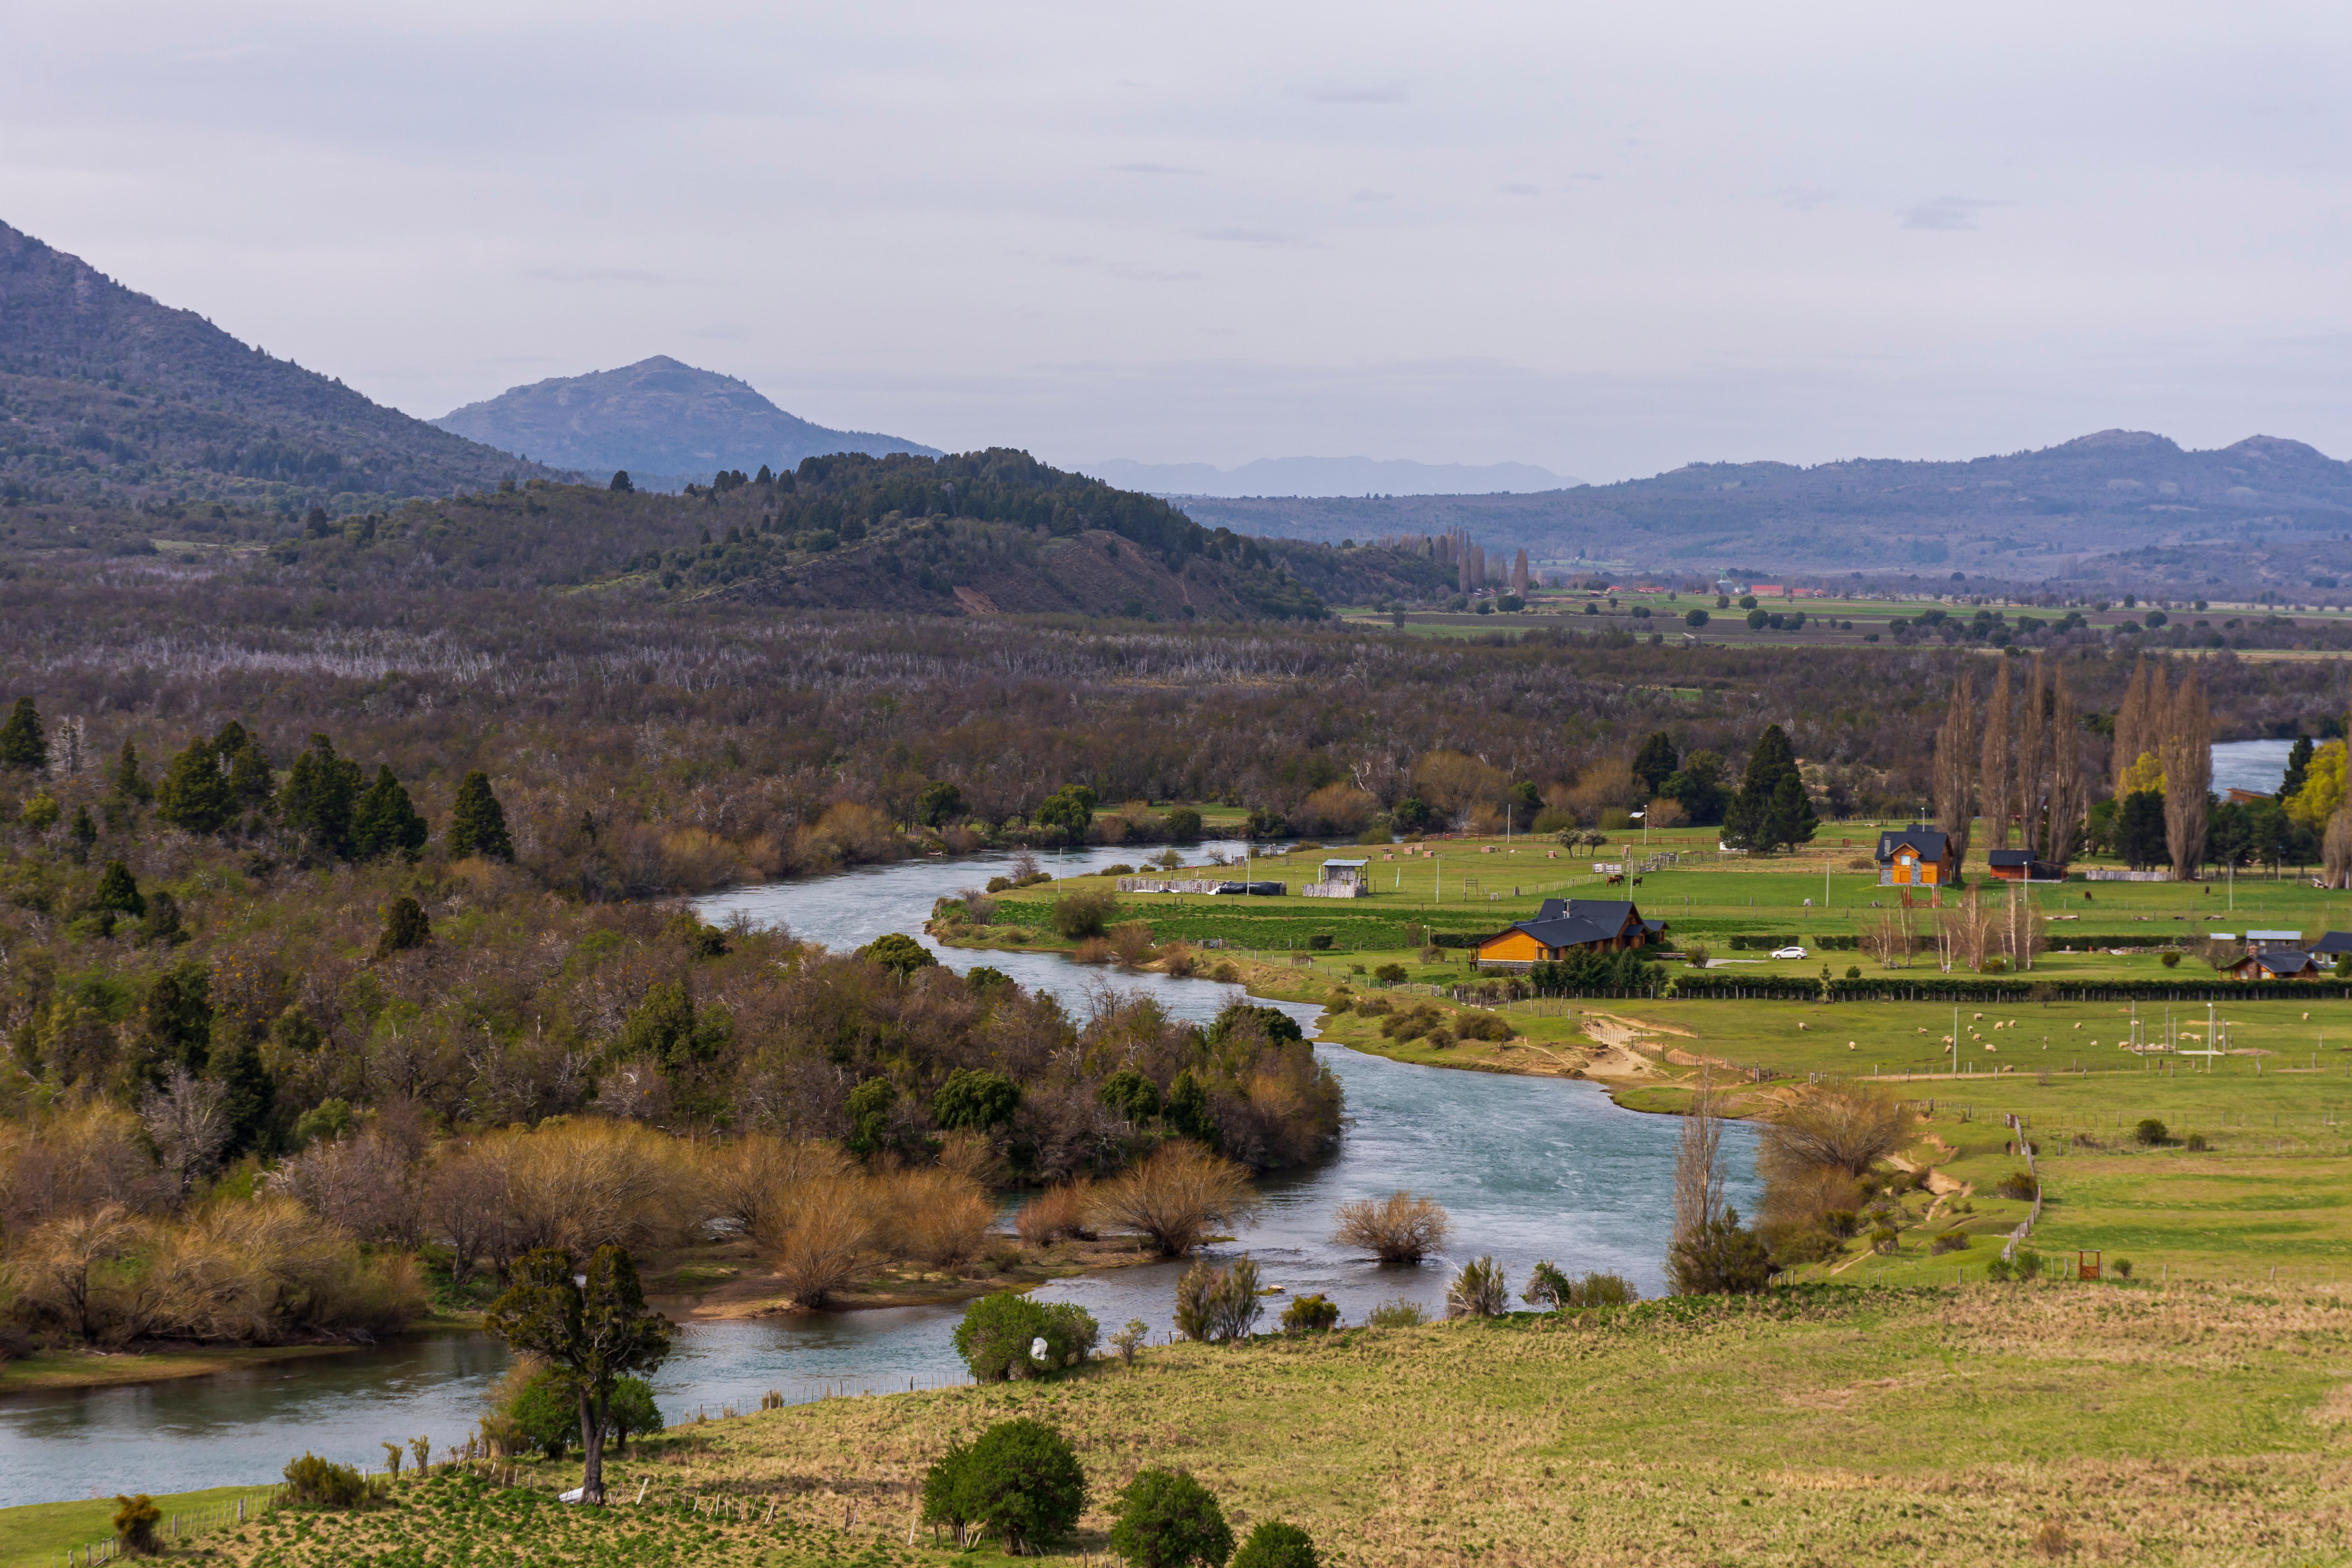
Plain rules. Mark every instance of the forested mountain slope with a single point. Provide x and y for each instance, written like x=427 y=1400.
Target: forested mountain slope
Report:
x=663 y=421
x=103 y=387
x=2263 y=511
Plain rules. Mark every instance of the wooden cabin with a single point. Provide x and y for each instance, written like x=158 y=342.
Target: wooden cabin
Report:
x=2277 y=964
x=1564 y=926
x=2020 y=866
x=1916 y=856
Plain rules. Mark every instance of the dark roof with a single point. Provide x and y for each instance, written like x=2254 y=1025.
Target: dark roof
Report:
x=2281 y=960
x=1573 y=923
x=2333 y=942
x=2009 y=856
x=1931 y=842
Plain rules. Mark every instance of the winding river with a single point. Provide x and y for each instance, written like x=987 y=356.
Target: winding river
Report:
x=1528 y=1168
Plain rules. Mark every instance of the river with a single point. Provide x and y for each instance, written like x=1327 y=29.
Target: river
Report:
x=1527 y=1168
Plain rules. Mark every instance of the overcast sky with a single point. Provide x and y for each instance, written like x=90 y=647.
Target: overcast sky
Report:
x=1608 y=240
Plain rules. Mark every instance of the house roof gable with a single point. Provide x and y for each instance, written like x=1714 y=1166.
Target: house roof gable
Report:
x=1930 y=843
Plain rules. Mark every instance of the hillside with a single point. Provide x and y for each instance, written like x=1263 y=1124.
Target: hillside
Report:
x=100 y=385
x=664 y=422
x=2121 y=505
x=1326 y=477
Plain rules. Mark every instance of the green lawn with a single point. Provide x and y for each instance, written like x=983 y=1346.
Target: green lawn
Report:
x=37 y=1535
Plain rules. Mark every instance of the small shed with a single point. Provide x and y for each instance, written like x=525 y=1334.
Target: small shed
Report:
x=1341 y=880
x=2264 y=941
x=2022 y=866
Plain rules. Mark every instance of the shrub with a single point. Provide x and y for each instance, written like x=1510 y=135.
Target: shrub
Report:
x=1176 y=1196
x=816 y=1240
x=1696 y=954
x=2169 y=960
x=1398 y=1228
x=2028 y=1263
x=937 y=1216
x=2016 y=1184
x=1949 y=1241
x=1313 y=1314
x=313 y=1482
x=1720 y=1258
x=135 y=1519
x=630 y=1413
x=1218 y=1306
x=2196 y=1144
x=1053 y=1213
x=899 y=953
x=2151 y=1132
x=1178 y=959
x=1084 y=913
x=1881 y=1238
x=1131 y=939
x=1275 y=1544
x=1478 y=1291
x=1094 y=950
x=1599 y=1290
x=1167 y=1519
x=1998 y=1270
x=1397 y=1314
x=1130 y=1340
x=1321 y=942
x=1020 y=1477
x=2123 y=1268
x=1838 y=1127
x=546 y=1414
x=1547 y=1287
x=1390 y=974
x=998 y=1336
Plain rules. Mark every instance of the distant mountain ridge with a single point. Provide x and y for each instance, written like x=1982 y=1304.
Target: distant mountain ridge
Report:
x=1328 y=476
x=659 y=417
x=2122 y=505
x=100 y=381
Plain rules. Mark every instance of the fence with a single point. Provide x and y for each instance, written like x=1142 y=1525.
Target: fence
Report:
x=179 y=1527
x=2034 y=1216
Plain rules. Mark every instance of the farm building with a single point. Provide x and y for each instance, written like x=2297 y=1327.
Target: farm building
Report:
x=1915 y=856
x=1341 y=880
x=2020 y=866
x=1563 y=926
x=2277 y=964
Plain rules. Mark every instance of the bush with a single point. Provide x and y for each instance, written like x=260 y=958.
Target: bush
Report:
x=1397 y=1314
x=1478 y=1291
x=135 y=1519
x=2017 y=1185
x=2151 y=1133
x=1547 y=1287
x=975 y=1098
x=546 y=1414
x=2123 y=1268
x=1083 y=914
x=1020 y=1479
x=1949 y=1241
x=1053 y=1213
x=2028 y=1263
x=1130 y=1340
x=2196 y=1144
x=815 y=1240
x=1167 y=1519
x=939 y=1216
x=1390 y=974
x=1998 y=1270
x=1131 y=939
x=999 y=1334
x=1275 y=1544
x=1398 y=1228
x=1176 y=1196
x=1881 y=1238
x=1218 y=1306
x=1599 y=1290
x=1720 y=1258
x=1320 y=942
x=1840 y=1127
x=1094 y=950
x=1313 y=1314
x=313 y=1482
x=2169 y=960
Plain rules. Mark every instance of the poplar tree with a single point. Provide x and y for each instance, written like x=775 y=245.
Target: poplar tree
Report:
x=1995 y=782
x=385 y=821
x=2036 y=755
x=195 y=796
x=24 y=744
x=2067 y=793
x=2187 y=756
x=477 y=824
x=1955 y=768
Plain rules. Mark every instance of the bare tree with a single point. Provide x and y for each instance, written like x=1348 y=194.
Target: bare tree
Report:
x=2031 y=720
x=2065 y=795
x=1837 y=1127
x=2336 y=849
x=1997 y=776
x=468 y=1203
x=1398 y=1228
x=1699 y=1167
x=54 y=1265
x=2187 y=757
x=187 y=1119
x=1956 y=767
x=367 y=1183
x=2139 y=721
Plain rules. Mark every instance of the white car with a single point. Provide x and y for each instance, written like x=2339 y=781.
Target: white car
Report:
x=1788 y=952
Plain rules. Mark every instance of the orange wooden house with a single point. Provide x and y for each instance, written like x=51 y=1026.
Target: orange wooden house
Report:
x=1563 y=926
x=1916 y=856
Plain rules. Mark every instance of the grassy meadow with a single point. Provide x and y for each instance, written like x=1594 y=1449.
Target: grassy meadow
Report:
x=1831 y=1425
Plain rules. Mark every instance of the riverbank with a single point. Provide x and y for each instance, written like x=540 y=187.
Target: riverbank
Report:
x=37 y=1535
x=731 y=1280
x=1864 y=1426
x=51 y=1370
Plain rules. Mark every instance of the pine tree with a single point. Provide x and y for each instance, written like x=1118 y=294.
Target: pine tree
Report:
x=2298 y=764
x=322 y=792
x=24 y=744
x=1789 y=820
x=405 y=925
x=385 y=821
x=621 y=485
x=1655 y=764
x=251 y=1094
x=251 y=780
x=478 y=825
x=84 y=832
x=129 y=782
x=118 y=892
x=193 y=796
x=1745 y=820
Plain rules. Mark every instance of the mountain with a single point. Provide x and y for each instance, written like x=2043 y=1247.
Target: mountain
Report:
x=1329 y=476
x=658 y=419
x=2125 y=506
x=100 y=384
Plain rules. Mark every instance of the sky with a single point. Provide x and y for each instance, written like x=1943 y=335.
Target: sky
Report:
x=1605 y=239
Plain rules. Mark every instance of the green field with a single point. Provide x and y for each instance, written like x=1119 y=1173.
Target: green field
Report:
x=37 y=1535
x=1830 y=1425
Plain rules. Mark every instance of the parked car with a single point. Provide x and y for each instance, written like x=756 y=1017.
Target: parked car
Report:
x=1788 y=952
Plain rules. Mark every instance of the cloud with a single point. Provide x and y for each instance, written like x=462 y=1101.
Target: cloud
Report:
x=1153 y=169
x=1126 y=271
x=1359 y=93
x=1262 y=237
x=594 y=274
x=1948 y=212
x=1517 y=189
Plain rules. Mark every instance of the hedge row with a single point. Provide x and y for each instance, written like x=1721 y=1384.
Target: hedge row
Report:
x=1975 y=988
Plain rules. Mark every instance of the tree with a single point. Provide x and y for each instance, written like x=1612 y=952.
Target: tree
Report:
x=2298 y=760
x=322 y=792
x=999 y=1335
x=251 y=780
x=385 y=821
x=195 y=795
x=632 y=1411
x=83 y=831
x=1698 y=1170
x=1275 y=1544
x=1020 y=1477
x=1167 y=1519
x=248 y=1094
x=899 y=953
x=135 y=1519
x=477 y=824
x=188 y=1122
x=1745 y=822
x=1694 y=618
x=405 y=926
x=1218 y=1306
x=127 y=781
x=593 y=1327
x=1655 y=763
x=621 y=485
x=1182 y=824
x=1068 y=812
x=1996 y=781
x=976 y=1099
x=1721 y=1259
x=1789 y=821
x=2187 y=756
x=1956 y=768
x=118 y=892
x=1698 y=787
x=24 y=744
x=1176 y=1196
x=940 y=803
